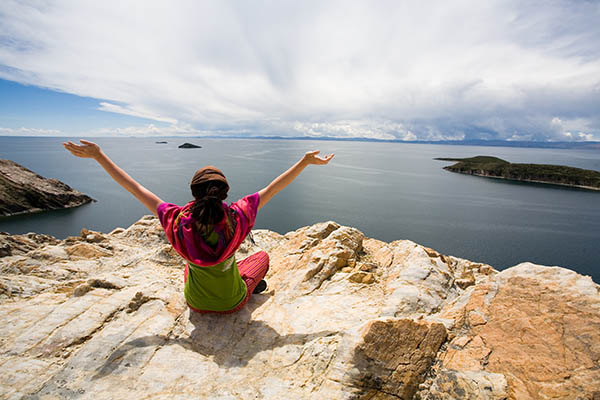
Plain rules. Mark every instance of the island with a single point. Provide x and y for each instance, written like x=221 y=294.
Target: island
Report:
x=493 y=167
x=189 y=146
x=161 y=142
x=23 y=191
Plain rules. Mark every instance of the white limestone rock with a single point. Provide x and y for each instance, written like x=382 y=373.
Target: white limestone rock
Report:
x=108 y=320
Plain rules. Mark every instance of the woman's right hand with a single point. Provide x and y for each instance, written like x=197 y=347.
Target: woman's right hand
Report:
x=84 y=150
x=312 y=157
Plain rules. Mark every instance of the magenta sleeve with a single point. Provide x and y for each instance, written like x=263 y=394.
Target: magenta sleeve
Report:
x=249 y=207
x=253 y=202
x=166 y=213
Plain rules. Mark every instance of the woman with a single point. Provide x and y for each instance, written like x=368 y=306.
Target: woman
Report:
x=207 y=232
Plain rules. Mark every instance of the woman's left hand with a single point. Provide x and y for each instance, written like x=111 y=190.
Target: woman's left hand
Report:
x=84 y=150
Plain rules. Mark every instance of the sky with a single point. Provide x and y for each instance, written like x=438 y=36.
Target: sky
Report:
x=406 y=70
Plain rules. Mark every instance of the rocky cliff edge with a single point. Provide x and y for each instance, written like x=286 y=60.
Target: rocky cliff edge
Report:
x=23 y=191
x=102 y=316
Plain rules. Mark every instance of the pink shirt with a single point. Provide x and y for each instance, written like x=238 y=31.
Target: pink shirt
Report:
x=180 y=229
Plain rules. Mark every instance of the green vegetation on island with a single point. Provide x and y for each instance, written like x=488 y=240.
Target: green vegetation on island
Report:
x=494 y=167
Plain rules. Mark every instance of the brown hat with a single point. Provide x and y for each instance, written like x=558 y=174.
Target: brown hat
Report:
x=209 y=173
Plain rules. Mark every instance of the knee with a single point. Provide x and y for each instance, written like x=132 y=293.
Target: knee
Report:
x=265 y=256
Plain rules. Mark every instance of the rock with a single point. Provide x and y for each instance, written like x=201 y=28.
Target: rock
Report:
x=533 y=330
x=116 y=231
x=21 y=244
x=394 y=354
x=23 y=191
x=368 y=278
x=367 y=267
x=85 y=250
x=91 y=236
x=4 y=290
x=189 y=146
x=321 y=230
x=49 y=253
x=72 y=239
x=105 y=283
x=361 y=277
x=81 y=290
x=138 y=300
x=345 y=317
x=471 y=385
x=357 y=277
x=464 y=283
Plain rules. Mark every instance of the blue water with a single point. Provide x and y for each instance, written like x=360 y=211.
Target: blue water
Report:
x=389 y=191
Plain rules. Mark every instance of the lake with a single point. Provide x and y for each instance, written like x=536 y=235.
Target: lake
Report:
x=389 y=191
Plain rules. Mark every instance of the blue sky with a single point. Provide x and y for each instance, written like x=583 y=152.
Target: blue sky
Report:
x=502 y=70
x=32 y=110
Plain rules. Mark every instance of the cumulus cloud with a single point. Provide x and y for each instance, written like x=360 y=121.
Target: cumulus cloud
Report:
x=352 y=129
x=386 y=69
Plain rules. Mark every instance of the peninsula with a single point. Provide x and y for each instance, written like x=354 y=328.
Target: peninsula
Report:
x=23 y=191
x=494 y=167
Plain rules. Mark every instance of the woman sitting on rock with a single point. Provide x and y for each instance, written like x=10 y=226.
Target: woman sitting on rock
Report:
x=207 y=232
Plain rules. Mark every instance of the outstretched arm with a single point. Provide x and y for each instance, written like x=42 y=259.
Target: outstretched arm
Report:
x=92 y=150
x=288 y=176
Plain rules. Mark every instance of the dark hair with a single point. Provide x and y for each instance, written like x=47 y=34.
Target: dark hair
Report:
x=208 y=208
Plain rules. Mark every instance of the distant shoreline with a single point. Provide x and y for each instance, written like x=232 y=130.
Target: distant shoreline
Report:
x=493 y=167
x=487 y=143
x=530 y=181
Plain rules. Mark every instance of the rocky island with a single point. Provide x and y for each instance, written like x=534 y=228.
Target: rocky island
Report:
x=189 y=146
x=23 y=191
x=102 y=316
x=494 y=167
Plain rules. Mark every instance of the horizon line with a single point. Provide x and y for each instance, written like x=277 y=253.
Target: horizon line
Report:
x=476 y=142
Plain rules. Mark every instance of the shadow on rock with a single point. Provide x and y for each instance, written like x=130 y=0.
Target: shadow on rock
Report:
x=230 y=339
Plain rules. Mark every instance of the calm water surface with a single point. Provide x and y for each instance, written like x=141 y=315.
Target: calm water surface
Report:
x=389 y=191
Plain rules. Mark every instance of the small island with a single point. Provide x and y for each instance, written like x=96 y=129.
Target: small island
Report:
x=161 y=142
x=23 y=191
x=189 y=146
x=493 y=167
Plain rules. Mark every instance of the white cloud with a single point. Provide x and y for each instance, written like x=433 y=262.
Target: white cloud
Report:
x=563 y=130
x=28 y=132
x=409 y=136
x=142 y=130
x=588 y=137
x=146 y=130
x=350 y=129
x=461 y=69
x=115 y=108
